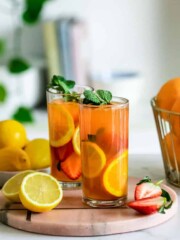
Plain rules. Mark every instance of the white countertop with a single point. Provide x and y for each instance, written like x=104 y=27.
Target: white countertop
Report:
x=139 y=166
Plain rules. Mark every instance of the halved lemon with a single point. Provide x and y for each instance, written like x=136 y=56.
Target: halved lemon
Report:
x=40 y=192
x=76 y=141
x=116 y=175
x=11 y=188
x=61 y=124
x=93 y=159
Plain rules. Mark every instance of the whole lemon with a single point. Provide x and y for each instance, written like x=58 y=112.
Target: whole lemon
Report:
x=12 y=133
x=38 y=151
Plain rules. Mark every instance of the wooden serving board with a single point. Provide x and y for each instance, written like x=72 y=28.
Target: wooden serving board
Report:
x=73 y=218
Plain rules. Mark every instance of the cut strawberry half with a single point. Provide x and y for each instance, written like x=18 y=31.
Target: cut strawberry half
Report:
x=72 y=166
x=146 y=189
x=149 y=205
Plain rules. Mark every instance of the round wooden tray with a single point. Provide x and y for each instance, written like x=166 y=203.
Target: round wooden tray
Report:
x=73 y=218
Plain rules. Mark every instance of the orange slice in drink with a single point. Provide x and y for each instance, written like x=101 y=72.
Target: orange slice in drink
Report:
x=93 y=159
x=76 y=141
x=116 y=174
x=61 y=125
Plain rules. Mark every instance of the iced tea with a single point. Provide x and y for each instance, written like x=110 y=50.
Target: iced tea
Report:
x=104 y=153
x=63 y=119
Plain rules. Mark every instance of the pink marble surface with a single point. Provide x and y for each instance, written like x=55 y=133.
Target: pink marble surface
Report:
x=73 y=218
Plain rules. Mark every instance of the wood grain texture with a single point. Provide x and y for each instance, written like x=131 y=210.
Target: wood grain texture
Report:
x=73 y=218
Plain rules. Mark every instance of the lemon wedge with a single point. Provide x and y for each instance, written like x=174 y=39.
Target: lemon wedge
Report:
x=11 y=188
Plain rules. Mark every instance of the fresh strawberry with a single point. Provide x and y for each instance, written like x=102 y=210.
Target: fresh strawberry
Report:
x=72 y=166
x=150 y=198
x=148 y=205
x=146 y=189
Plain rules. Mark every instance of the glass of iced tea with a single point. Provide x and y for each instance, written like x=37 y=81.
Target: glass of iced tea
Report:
x=63 y=119
x=104 y=152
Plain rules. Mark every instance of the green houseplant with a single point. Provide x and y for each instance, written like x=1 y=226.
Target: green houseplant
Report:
x=16 y=63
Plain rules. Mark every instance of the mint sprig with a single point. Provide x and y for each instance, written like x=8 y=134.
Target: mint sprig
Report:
x=61 y=84
x=64 y=86
x=98 y=97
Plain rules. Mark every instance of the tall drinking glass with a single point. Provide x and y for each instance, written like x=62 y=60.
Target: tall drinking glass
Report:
x=104 y=152
x=63 y=119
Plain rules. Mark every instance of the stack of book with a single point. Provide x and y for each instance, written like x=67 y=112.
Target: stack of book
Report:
x=65 y=40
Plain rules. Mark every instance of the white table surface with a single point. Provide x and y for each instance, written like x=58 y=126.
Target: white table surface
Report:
x=139 y=166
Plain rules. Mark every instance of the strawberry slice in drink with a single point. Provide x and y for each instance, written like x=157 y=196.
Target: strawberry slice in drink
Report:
x=72 y=166
x=64 y=151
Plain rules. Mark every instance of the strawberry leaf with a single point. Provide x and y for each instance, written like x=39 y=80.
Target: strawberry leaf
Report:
x=161 y=210
x=166 y=195
x=144 y=180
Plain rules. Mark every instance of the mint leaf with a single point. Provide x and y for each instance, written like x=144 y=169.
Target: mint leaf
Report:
x=105 y=95
x=62 y=84
x=72 y=97
x=144 y=180
x=98 y=97
x=91 y=97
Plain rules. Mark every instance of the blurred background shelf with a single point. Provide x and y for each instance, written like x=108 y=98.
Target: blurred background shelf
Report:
x=106 y=42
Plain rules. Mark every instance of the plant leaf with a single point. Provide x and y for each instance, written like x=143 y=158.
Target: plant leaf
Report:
x=3 y=93
x=24 y=115
x=2 y=47
x=105 y=95
x=32 y=10
x=18 y=65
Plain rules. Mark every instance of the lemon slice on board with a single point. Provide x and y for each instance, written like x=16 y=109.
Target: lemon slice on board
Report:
x=40 y=192
x=11 y=188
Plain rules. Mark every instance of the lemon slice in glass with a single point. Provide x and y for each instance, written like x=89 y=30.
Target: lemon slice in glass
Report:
x=116 y=175
x=76 y=141
x=94 y=159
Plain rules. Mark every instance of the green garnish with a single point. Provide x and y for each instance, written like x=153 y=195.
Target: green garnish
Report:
x=98 y=97
x=144 y=180
x=64 y=86
x=166 y=195
x=61 y=84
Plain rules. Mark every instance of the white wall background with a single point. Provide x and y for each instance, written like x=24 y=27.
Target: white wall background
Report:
x=140 y=35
